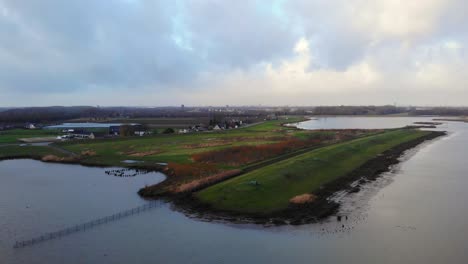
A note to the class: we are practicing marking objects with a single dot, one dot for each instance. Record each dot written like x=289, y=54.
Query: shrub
x=191, y=170
x=303, y=198
x=196, y=185
x=168, y=131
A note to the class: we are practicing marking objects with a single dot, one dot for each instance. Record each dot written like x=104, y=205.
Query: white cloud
x=396, y=18
x=293, y=81
x=233, y=52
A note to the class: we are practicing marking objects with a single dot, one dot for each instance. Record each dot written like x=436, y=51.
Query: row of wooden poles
x=85, y=226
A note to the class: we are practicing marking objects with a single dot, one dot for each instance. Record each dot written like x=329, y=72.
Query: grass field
x=12, y=136
x=156, y=123
x=217, y=152
x=171, y=148
x=306, y=173
x=178, y=148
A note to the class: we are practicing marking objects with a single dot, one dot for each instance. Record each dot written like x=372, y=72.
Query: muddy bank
x=464, y=119
x=298, y=214
x=429, y=123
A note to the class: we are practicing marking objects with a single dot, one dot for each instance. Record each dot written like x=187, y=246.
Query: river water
x=355, y=122
x=417, y=213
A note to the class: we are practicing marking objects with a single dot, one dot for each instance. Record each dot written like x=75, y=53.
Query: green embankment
x=279, y=182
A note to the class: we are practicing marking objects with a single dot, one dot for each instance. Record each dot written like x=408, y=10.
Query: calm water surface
x=415, y=214
x=341, y=122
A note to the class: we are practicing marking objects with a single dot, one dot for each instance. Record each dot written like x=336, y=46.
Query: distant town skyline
x=213, y=52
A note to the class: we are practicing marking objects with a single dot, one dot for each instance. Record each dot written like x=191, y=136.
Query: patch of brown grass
x=53, y=158
x=88, y=153
x=303, y=198
x=205, y=182
x=144, y=153
x=195, y=170
x=204, y=145
x=215, y=142
x=239, y=155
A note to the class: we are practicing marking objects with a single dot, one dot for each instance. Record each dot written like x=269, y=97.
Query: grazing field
x=155, y=123
x=13, y=136
x=176, y=148
x=165, y=122
x=271, y=188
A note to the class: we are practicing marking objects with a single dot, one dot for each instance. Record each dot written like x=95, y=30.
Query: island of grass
x=263, y=171
x=191, y=161
x=308, y=179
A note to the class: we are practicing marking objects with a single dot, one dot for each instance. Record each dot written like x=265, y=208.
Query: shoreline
x=314, y=212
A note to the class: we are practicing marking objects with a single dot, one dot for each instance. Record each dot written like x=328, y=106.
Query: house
x=198, y=128
x=30, y=126
x=272, y=117
x=142, y=133
x=85, y=135
x=82, y=134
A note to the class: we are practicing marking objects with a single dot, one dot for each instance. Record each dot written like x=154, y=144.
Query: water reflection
x=359, y=122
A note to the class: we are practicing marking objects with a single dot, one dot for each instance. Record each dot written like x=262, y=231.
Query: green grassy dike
x=306, y=173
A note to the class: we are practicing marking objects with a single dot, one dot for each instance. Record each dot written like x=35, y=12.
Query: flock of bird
x=126, y=172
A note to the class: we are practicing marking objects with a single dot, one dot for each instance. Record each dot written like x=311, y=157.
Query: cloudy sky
x=218, y=52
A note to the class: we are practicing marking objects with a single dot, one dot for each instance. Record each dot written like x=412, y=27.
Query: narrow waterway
x=414, y=214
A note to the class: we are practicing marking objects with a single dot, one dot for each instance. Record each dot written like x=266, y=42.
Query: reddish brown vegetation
x=241, y=155
x=53, y=158
x=207, y=181
x=228, y=141
x=144, y=153
x=247, y=154
x=205, y=145
x=191, y=170
x=206, y=169
x=303, y=198
x=88, y=153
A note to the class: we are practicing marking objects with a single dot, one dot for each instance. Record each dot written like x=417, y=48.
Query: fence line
x=84, y=226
